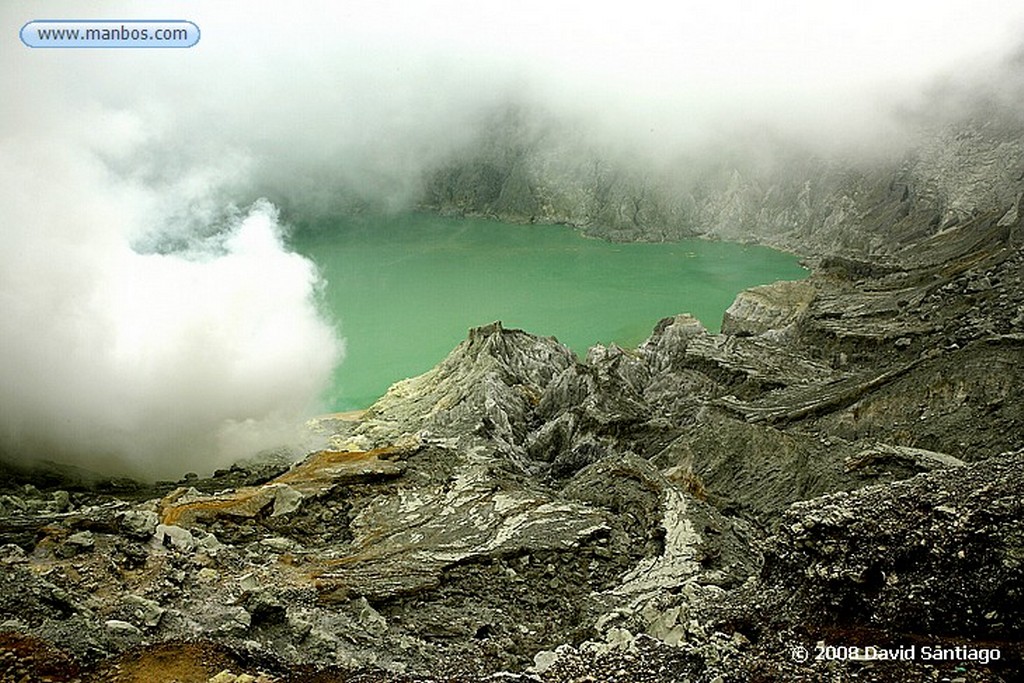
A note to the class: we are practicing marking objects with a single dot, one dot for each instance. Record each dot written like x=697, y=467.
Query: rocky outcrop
x=939, y=553
x=770, y=307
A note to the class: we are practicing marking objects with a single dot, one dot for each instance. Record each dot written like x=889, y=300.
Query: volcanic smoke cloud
x=150, y=363
x=153, y=320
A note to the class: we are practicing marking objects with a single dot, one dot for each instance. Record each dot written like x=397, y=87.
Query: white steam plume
x=142, y=362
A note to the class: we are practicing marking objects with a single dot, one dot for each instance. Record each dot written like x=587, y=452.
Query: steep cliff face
x=527, y=168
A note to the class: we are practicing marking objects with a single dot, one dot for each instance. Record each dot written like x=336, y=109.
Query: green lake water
x=404, y=290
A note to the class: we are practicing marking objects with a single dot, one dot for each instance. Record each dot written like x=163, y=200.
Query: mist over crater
x=155, y=320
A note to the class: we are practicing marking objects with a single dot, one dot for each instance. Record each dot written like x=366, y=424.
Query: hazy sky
x=185, y=360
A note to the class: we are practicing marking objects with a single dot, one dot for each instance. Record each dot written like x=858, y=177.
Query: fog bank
x=154, y=319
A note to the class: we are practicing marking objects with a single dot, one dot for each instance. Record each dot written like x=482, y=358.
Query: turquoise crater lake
x=404, y=290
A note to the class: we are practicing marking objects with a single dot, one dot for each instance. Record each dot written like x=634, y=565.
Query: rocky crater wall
x=527, y=167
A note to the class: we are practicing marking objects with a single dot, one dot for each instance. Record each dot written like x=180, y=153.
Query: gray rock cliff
x=531, y=168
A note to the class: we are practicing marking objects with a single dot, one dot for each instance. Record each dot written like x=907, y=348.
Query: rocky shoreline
x=839, y=472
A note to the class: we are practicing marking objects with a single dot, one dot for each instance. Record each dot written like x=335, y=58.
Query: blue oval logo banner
x=109, y=33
